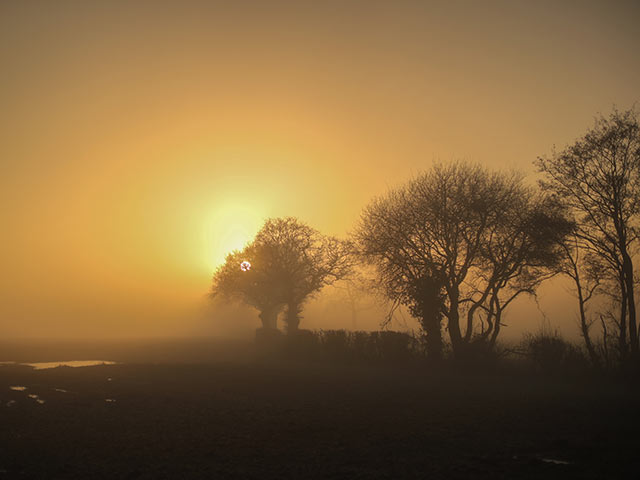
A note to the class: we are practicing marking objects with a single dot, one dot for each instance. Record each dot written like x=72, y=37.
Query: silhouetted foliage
x=460, y=239
x=303, y=261
x=598, y=180
x=553, y=355
x=386, y=347
x=254, y=287
x=289, y=263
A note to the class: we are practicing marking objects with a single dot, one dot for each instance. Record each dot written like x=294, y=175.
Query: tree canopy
x=597, y=178
x=289, y=263
x=456, y=239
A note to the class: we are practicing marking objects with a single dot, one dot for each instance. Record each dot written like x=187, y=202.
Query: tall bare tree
x=456, y=239
x=518, y=254
x=598, y=179
x=587, y=274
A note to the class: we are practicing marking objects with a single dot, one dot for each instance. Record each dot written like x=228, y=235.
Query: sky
x=140, y=141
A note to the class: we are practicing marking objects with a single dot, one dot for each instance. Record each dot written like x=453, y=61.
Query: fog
x=319, y=239
x=140, y=143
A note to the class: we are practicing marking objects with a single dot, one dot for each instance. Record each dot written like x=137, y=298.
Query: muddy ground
x=225, y=419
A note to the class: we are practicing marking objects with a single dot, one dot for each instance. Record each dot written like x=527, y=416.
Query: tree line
x=458, y=243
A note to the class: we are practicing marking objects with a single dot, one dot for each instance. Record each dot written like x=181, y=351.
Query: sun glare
x=231, y=227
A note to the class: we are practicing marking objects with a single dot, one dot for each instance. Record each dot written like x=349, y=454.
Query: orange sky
x=140, y=140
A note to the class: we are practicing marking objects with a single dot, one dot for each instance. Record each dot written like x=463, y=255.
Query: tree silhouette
x=587, y=273
x=598, y=180
x=253, y=286
x=517, y=253
x=460, y=238
x=290, y=262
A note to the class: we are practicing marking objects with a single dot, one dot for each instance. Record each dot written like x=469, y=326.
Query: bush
x=363, y=346
x=369, y=347
x=302, y=345
x=551, y=354
x=385, y=347
x=395, y=347
x=336, y=344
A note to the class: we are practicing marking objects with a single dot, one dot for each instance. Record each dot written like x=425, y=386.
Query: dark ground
x=245, y=419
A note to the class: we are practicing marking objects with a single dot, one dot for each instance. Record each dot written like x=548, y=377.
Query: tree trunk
x=454, y=329
x=432, y=327
x=622, y=334
x=496, y=327
x=627, y=268
x=584, y=326
x=472, y=310
x=269, y=318
x=453, y=318
x=292, y=318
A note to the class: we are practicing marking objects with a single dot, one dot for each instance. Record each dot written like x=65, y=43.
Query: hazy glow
x=230, y=228
x=140, y=142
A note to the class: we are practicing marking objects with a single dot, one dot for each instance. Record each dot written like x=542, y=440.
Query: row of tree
x=459, y=243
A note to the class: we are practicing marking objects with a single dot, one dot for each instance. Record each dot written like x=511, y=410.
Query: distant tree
x=598, y=180
x=356, y=291
x=459, y=238
x=289, y=263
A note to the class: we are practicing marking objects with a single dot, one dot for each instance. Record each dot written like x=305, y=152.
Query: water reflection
x=36, y=398
x=17, y=388
x=555, y=462
x=71, y=363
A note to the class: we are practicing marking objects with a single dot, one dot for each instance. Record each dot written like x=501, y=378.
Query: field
x=224, y=418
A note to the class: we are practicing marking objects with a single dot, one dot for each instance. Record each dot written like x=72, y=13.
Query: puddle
x=61, y=390
x=36, y=398
x=110, y=400
x=555, y=461
x=17, y=388
x=11, y=403
x=71, y=363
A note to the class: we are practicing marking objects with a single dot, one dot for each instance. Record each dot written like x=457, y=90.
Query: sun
x=245, y=266
x=231, y=227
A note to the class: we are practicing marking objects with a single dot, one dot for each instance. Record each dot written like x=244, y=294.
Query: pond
x=69, y=363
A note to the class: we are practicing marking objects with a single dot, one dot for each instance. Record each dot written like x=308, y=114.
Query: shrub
x=363, y=346
x=302, y=345
x=551, y=354
x=336, y=344
x=395, y=347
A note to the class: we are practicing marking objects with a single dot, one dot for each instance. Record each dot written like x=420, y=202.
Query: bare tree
x=458, y=237
x=587, y=272
x=598, y=179
x=356, y=290
x=518, y=254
